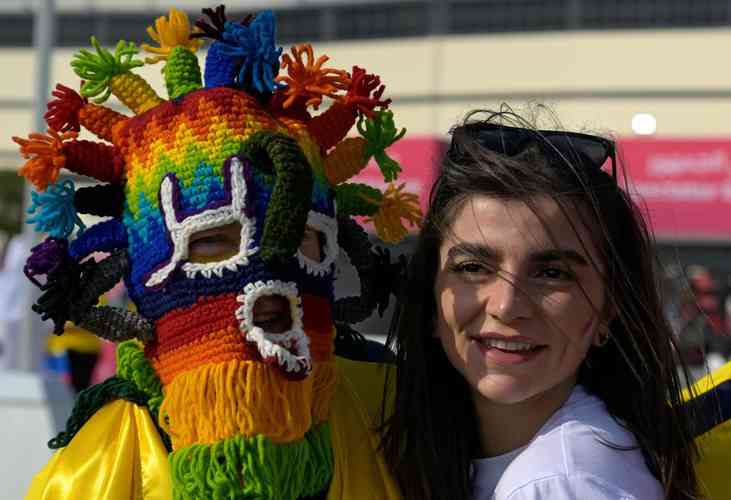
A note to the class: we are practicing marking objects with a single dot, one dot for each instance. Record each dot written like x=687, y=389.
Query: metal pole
x=43, y=41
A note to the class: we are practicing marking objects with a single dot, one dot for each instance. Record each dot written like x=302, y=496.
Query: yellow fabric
x=715, y=446
x=116, y=455
x=359, y=472
x=75, y=339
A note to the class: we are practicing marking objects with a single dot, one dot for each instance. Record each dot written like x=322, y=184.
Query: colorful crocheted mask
x=241, y=152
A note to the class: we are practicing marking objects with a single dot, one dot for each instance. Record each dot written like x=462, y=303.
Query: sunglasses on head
x=576, y=148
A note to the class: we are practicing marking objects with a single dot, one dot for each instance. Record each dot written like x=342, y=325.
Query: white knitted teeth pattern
x=180, y=232
x=291, y=349
x=328, y=226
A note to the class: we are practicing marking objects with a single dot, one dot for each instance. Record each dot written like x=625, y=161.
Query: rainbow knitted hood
x=238, y=148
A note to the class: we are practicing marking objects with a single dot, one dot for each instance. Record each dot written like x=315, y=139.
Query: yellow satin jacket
x=714, y=469
x=118, y=453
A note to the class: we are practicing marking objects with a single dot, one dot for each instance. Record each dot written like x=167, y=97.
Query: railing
x=389, y=19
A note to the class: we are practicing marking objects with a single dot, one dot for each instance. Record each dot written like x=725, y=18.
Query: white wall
x=435, y=80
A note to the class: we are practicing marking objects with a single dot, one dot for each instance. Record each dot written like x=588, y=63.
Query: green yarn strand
x=380, y=132
x=357, y=199
x=254, y=468
x=133, y=366
x=182, y=72
x=279, y=155
x=97, y=70
x=91, y=400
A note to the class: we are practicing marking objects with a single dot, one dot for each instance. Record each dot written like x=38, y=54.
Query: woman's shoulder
x=581, y=446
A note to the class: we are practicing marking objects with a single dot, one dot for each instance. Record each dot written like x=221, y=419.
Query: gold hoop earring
x=603, y=338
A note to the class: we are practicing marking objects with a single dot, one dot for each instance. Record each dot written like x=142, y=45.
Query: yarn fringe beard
x=246, y=468
x=247, y=398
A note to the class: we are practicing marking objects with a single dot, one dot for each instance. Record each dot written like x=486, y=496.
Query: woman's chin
x=504, y=389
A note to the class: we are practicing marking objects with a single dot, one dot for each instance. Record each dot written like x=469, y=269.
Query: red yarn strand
x=94, y=159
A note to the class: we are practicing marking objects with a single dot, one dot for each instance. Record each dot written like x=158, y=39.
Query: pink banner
x=685, y=185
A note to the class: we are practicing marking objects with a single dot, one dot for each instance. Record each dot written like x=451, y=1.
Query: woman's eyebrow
x=560, y=254
x=479, y=251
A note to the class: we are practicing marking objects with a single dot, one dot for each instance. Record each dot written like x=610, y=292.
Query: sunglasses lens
x=581, y=150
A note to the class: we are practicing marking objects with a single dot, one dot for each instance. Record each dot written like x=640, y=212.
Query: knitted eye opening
x=328, y=228
x=289, y=350
x=181, y=229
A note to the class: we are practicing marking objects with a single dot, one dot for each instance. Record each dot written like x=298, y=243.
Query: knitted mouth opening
x=273, y=314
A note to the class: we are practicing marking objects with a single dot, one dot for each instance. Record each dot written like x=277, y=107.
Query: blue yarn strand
x=53, y=210
x=255, y=47
x=105, y=236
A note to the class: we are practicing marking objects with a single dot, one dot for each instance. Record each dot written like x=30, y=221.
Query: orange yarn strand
x=222, y=400
x=396, y=205
x=45, y=156
x=100, y=120
x=307, y=79
x=346, y=160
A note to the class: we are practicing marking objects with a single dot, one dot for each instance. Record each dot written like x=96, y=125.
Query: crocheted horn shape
x=278, y=155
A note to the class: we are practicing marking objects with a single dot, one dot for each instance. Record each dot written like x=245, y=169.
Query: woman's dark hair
x=431, y=436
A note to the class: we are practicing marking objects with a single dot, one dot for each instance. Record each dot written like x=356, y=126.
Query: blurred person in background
x=703, y=343
x=727, y=307
x=73, y=355
x=14, y=294
x=533, y=357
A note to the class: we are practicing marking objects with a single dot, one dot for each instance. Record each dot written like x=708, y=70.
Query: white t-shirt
x=568, y=460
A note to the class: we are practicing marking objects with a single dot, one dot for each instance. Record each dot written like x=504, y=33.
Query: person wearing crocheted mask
x=226, y=206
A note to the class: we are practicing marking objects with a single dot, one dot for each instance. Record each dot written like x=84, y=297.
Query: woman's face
x=517, y=309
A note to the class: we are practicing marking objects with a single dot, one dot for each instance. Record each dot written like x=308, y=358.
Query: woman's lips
x=504, y=350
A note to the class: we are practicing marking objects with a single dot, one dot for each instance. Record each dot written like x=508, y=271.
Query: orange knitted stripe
x=209, y=333
x=219, y=346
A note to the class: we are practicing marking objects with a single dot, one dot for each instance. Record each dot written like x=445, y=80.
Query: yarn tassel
x=222, y=400
x=63, y=112
x=307, y=81
x=177, y=47
x=395, y=206
x=380, y=132
x=69, y=111
x=331, y=126
x=254, y=468
x=54, y=211
x=106, y=73
x=45, y=155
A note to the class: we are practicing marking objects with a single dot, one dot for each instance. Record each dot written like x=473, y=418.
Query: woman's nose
x=505, y=300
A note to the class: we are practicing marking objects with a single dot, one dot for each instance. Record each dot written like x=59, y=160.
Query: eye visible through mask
x=313, y=245
x=221, y=243
x=215, y=244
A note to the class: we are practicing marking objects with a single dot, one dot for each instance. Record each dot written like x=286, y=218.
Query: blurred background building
x=652, y=74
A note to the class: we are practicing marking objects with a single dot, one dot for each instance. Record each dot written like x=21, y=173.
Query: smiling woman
x=533, y=359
